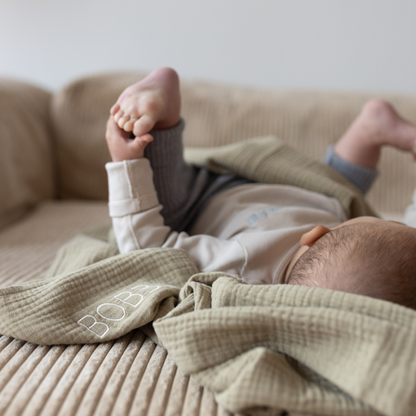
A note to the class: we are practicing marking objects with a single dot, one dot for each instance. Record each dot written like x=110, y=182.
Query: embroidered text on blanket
x=113, y=312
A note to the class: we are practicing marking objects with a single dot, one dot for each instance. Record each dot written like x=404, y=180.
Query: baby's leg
x=376, y=126
x=178, y=185
x=151, y=109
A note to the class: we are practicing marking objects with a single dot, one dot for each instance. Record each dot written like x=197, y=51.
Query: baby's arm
x=135, y=211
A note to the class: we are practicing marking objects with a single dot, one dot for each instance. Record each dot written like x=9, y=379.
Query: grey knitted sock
x=361, y=177
x=183, y=190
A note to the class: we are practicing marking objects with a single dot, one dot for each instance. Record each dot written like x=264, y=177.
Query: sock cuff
x=361, y=177
x=166, y=146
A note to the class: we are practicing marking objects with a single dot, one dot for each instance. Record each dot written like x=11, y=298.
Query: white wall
x=330, y=44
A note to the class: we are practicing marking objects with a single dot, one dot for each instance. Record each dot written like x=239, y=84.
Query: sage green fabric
x=271, y=160
x=260, y=349
x=105, y=297
x=275, y=347
x=296, y=348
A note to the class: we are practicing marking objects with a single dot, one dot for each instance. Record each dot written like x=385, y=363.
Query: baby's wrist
x=130, y=151
x=123, y=159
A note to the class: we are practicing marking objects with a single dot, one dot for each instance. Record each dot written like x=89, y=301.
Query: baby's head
x=366, y=256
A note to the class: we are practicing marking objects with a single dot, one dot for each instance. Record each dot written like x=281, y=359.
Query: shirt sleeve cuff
x=131, y=188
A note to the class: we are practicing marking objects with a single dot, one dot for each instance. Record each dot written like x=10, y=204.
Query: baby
x=262, y=234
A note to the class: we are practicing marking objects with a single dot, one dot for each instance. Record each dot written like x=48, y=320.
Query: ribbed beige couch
x=53, y=185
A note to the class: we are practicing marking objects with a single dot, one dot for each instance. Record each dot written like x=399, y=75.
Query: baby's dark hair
x=372, y=259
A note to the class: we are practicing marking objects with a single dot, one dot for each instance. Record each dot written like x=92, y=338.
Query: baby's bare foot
x=386, y=127
x=154, y=102
x=376, y=126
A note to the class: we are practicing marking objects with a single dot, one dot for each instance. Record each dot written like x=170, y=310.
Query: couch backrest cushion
x=26, y=149
x=79, y=115
x=218, y=114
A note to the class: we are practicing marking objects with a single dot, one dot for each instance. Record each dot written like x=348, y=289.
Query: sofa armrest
x=26, y=160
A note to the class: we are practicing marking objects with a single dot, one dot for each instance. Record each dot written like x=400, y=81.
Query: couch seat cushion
x=28, y=247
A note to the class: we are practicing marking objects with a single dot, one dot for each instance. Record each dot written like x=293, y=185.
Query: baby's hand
x=121, y=145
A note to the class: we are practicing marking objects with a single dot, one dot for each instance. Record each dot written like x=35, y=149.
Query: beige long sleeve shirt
x=250, y=231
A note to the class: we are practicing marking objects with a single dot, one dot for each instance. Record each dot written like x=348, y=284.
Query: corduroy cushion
x=216, y=115
x=79, y=115
x=26, y=156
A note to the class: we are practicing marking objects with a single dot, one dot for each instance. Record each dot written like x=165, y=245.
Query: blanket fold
x=260, y=349
x=271, y=160
x=329, y=332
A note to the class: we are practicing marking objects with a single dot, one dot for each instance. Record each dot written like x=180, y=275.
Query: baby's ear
x=312, y=236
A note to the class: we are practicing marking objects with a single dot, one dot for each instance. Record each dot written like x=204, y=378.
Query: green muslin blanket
x=260, y=349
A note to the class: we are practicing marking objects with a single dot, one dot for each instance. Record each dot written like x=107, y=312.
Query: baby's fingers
x=142, y=141
x=113, y=132
x=137, y=145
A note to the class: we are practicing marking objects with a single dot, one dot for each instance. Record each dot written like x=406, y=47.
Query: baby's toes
x=118, y=115
x=143, y=125
x=114, y=109
x=123, y=120
x=128, y=126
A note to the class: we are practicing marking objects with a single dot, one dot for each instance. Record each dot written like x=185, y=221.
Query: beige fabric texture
x=26, y=159
x=216, y=115
x=348, y=355
x=132, y=375
x=91, y=294
x=23, y=308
